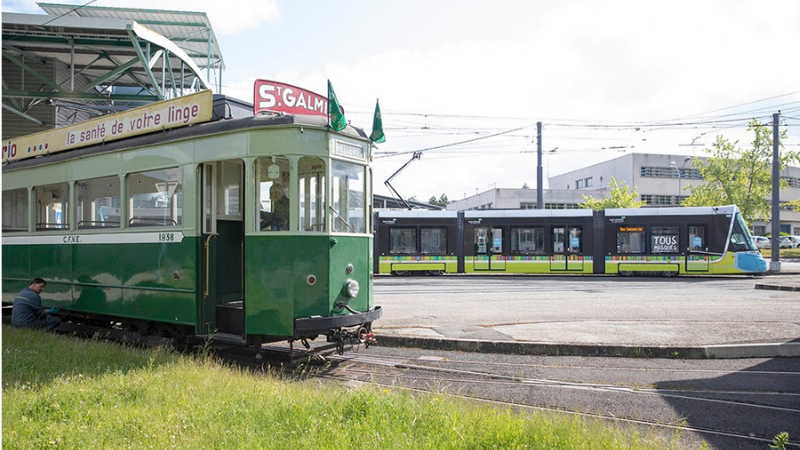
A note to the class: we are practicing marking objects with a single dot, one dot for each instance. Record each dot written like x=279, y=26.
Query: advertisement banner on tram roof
x=274, y=96
x=177, y=112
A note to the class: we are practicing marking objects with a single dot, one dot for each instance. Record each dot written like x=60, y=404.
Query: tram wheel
x=401, y=273
x=626, y=273
x=671, y=274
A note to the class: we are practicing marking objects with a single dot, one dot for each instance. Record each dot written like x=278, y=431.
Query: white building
x=660, y=180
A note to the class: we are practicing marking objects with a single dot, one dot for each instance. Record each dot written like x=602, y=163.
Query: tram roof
x=511, y=213
x=674, y=211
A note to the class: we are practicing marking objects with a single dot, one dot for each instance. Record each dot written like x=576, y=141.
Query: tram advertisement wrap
x=273, y=96
x=178, y=112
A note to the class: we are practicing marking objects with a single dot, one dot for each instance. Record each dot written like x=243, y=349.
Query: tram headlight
x=351, y=288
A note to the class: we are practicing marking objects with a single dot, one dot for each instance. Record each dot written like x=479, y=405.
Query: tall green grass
x=62, y=392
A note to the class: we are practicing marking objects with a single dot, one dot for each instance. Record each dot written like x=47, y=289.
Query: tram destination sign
x=178, y=112
x=274, y=96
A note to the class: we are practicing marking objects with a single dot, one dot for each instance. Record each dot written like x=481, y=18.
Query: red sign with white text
x=272, y=96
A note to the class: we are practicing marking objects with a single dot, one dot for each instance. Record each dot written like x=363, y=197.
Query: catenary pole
x=539, y=195
x=775, y=264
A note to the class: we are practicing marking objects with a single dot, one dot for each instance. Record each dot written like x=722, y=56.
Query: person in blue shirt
x=28, y=311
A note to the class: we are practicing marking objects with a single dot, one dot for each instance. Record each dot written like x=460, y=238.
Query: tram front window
x=348, y=202
x=740, y=236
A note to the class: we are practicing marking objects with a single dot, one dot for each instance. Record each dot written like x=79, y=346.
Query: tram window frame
x=693, y=232
x=344, y=193
x=630, y=231
x=272, y=185
x=88, y=192
x=44, y=194
x=312, y=194
x=669, y=246
x=442, y=238
x=165, y=177
x=16, y=205
x=398, y=242
x=537, y=250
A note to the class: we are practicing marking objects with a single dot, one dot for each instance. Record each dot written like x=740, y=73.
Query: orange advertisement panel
x=178, y=112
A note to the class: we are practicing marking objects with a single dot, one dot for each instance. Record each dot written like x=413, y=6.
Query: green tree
x=441, y=201
x=619, y=197
x=736, y=176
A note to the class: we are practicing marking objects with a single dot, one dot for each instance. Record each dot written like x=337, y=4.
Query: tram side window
x=630, y=240
x=98, y=203
x=433, y=241
x=15, y=210
x=311, y=178
x=527, y=241
x=664, y=240
x=348, y=202
x=402, y=241
x=272, y=176
x=155, y=198
x=697, y=237
x=52, y=207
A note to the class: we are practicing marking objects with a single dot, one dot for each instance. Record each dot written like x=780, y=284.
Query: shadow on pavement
x=759, y=401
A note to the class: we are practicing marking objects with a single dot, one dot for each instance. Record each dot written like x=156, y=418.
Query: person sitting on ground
x=28, y=312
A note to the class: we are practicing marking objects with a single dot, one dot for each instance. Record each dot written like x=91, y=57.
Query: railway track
x=497, y=383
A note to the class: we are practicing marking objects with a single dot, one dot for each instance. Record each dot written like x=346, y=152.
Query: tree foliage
x=620, y=196
x=738, y=176
x=441, y=201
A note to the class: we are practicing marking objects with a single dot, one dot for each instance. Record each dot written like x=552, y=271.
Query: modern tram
x=253, y=229
x=668, y=241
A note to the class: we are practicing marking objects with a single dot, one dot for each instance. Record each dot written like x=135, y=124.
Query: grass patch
x=785, y=253
x=62, y=392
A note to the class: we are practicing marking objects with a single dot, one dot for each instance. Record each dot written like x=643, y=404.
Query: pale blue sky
x=450, y=71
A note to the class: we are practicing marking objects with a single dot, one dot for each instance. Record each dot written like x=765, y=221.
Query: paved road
x=591, y=310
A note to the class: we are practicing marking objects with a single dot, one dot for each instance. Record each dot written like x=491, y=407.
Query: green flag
x=377, y=135
x=335, y=111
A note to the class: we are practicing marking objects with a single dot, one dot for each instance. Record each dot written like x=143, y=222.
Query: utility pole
x=539, y=195
x=775, y=264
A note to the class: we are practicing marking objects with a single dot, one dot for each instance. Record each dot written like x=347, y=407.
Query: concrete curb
x=789, y=349
x=774, y=287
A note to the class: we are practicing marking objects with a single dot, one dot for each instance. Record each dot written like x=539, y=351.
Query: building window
x=561, y=206
x=588, y=182
x=760, y=230
x=670, y=172
x=527, y=205
x=578, y=184
x=662, y=200
x=792, y=181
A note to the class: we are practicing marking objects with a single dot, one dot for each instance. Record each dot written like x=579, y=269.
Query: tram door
x=567, y=242
x=697, y=257
x=488, y=243
x=222, y=246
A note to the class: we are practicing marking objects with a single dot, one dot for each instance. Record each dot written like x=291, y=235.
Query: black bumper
x=321, y=325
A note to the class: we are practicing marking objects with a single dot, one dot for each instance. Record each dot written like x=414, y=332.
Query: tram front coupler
x=361, y=335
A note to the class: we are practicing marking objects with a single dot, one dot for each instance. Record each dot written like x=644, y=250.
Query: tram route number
x=166, y=237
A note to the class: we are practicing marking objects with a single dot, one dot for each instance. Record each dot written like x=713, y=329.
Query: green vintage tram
x=252, y=229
